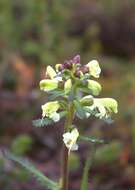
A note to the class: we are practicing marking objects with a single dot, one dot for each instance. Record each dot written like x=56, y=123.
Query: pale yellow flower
x=48, y=84
x=67, y=85
x=50, y=72
x=70, y=139
x=50, y=110
x=94, y=68
x=105, y=107
x=94, y=86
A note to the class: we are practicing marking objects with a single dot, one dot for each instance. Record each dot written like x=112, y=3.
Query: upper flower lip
x=50, y=110
x=48, y=84
x=105, y=107
x=50, y=72
x=94, y=68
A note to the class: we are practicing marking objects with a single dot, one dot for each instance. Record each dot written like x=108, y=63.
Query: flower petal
x=94, y=68
x=94, y=86
x=48, y=84
x=67, y=86
x=50, y=108
x=50, y=72
x=70, y=139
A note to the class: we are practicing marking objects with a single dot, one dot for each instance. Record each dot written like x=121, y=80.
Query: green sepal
x=87, y=100
x=80, y=112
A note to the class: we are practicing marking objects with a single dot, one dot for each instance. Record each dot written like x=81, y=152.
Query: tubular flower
x=87, y=100
x=70, y=139
x=94, y=86
x=94, y=68
x=67, y=86
x=50, y=72
x=104, y=107
x=48, y=84
x=50, y=110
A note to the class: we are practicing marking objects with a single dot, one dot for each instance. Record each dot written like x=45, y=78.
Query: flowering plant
x=72, y=93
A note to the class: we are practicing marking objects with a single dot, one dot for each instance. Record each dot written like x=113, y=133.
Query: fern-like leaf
x=45, y=181
x=93, y=140
x=42, y=122
x=46, y=121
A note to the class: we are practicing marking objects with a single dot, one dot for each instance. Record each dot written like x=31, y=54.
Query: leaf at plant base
x=79, y=109
x=45, y=181
x=21, y=144
x=108, y=153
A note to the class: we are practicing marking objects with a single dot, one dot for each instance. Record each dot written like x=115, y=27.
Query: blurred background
x=34, y=34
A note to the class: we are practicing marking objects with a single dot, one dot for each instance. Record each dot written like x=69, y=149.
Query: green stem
x=88, y=164
x=65, y=156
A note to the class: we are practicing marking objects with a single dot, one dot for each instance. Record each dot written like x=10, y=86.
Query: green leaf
x=45, y=181
x=46, y=121
x=42, y=122
x=79, y=109
x=56, y=94
x=108, y=154
x=92, y=140
x=21, y=144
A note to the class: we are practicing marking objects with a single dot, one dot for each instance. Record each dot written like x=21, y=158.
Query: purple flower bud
x=68, y=64
x=85, y=69
x=61, y=67
x=76, y=59
x=78, y=73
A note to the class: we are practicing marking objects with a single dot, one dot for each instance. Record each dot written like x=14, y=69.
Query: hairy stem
x=65, y=155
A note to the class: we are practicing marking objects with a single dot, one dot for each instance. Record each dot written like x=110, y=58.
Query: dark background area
x=34, y=34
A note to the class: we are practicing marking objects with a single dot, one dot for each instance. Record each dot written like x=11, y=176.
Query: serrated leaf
x=42, y=122
x=92, y=140
x=55, y=94
x=45, y=181
x=46, y=121
x=108, y=120
x=79, y=110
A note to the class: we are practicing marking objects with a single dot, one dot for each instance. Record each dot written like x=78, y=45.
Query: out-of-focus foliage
x=108, y=153
x=48, y=32
x=21, y=144
x=36, y=30
x=74, y=162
